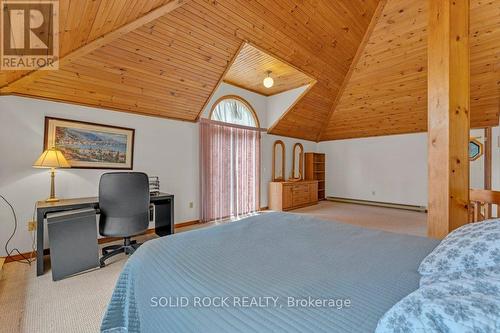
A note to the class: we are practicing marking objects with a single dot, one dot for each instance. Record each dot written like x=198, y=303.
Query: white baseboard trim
x=379, y=204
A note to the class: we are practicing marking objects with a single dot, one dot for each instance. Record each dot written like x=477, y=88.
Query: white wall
x=279, y=103
x=392, y=168
x=388, y=169
x=165, y=148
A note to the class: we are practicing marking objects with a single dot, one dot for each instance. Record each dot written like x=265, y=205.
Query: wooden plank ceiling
x=387, y=92
x=170, y=66
x=165, y=58
x=83, y=21
x=252, y=65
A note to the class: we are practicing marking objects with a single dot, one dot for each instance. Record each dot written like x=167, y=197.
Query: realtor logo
x=30, y=35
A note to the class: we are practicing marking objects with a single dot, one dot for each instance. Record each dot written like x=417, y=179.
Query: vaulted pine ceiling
x=164, y=58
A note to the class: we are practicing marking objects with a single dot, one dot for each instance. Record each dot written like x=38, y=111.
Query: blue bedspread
x=261, y=274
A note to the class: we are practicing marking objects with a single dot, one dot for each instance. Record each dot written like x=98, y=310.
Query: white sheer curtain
x=234, y=112
x=230, y=162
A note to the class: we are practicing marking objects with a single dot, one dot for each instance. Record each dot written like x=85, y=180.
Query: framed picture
x=91, y=146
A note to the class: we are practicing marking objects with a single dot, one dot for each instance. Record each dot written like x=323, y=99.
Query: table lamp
x=52, y=158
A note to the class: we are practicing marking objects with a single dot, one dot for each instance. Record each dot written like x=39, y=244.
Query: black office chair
x=124, y=210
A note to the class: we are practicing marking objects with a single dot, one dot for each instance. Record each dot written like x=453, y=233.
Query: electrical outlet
x=31, y=225
x=191, y=204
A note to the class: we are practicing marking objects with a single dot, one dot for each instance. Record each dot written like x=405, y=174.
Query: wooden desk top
x=86, y=201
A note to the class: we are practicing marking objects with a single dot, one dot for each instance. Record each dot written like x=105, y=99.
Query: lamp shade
x=51, y=158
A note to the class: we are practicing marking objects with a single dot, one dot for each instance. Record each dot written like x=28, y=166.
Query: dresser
x=290, y=195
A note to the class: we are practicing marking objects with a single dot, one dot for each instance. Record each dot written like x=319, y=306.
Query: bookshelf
x=315, y=170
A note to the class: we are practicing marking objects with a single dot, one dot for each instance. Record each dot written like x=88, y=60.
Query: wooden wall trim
x=104, y=240
x=354, y=63
x=97, y=43
x=90, y=105
x=186, y=224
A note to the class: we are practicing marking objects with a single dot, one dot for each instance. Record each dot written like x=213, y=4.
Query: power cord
x=9, y=253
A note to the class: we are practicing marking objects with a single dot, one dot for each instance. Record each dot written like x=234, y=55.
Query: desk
x=164, y=217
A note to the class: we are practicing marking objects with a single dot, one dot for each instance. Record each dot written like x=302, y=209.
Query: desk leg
x=164, y=217
x=172, y=220
x=39, y=243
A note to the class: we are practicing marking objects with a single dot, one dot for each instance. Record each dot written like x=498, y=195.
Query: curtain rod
x=221, y=123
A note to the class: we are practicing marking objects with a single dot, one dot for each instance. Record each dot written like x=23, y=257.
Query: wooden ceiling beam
x=95, y=44
x=354, y=63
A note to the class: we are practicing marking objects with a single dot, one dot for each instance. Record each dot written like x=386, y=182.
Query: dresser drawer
x=287, y=195
x=300, y=198
x=301, y=188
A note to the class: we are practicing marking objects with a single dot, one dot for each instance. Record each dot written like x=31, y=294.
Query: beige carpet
x=31, y=304
x=77, y=304
x=387, y=219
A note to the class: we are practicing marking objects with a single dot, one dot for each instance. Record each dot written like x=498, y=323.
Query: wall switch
x=191, y=204
x=31, y=225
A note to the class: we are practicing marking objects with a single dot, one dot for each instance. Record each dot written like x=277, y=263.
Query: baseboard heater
x=379, y=204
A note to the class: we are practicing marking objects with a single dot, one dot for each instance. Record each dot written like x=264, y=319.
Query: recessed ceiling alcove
x=252, y=65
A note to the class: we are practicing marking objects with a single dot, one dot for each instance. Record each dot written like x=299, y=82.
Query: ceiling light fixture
x=268, y=81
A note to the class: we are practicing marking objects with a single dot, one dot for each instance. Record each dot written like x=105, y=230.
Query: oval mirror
x=278, y=161
x=298, y=162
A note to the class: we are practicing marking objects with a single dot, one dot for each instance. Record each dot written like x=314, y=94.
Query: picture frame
x=475, y=149
x=89, y=145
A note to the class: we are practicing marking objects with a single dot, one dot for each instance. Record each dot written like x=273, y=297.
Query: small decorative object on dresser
x=315, y=170
x=292, y=194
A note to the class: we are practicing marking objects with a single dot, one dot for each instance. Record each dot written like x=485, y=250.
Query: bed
x=296, y=273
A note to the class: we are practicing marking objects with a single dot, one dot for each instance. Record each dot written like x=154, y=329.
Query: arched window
x=234, y=110
x=230, y=160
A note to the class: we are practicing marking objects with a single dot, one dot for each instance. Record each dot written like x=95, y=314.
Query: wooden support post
x=487, y=166
x=448, y=115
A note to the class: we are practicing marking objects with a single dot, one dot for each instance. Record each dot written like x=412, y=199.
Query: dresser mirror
x=278, y=161
x=298, y=162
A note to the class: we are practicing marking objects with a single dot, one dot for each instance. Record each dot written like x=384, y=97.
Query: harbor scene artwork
x=87, y=145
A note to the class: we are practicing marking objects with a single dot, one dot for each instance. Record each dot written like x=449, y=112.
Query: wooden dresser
x=290, y=195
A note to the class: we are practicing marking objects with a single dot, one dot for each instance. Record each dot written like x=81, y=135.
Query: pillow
x=489, y=272
x=467, y=306
x=468, y=248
